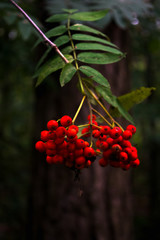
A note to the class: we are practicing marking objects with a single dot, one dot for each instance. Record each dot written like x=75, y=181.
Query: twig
x=46, y=40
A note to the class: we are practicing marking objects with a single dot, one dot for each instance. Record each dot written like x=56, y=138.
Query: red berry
x=98, y=152
x=80, y=143
x=96, y=133
x=50, y=144
x=107, y=154
x=60, y=132
x=102, y=137
x=103, y=162
x=115, y=132
x=127, y=134
x=52, y=125
x=62, y=145
x=57, y=159
x=123, y=156
x=78, y=152
x=88, y=163
x=95, y=123
x=93, y=117
x=98, y=143
x=49, y=159
x=114, y=163
x=116, y=148
x=72, y=140
x=110, y=141
x=135, y=163
x=131, y=128
x=125, y=166
x=66, y=121
x=133, y=156
x=85, y=132
x=51, y=152
x=74, y=127
x=71, y=133
x=71, y=157
x=52, y=135
x=59, y=140
x=105, y=130
x=80, y=160
x=44, y=135
x=126, y=143
x=127, y=150
x=89, y=152
x=64, y=153
x=86, y=144
x=71, y=147
x=118, y=140
x=103, y=146
x=40, y=146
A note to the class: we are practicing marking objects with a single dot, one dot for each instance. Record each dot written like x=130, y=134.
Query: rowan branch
x=46, y=40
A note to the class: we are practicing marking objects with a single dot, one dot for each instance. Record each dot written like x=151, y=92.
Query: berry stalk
x=79, y=108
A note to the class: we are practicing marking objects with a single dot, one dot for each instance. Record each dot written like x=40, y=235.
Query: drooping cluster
x=114, y=145
x=62, y=145
x=65, y=143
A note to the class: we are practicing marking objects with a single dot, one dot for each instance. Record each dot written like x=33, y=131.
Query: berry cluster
x=62, y=145
x=113, y=144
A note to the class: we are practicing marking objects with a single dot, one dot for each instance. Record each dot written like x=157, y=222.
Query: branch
x=46, y=40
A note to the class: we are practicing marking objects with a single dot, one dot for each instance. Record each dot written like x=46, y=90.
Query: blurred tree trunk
x=99, y=206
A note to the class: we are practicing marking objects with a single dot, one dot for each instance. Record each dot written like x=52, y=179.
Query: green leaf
x=98, y=58
x=51, y=66
x=113, y=101
x=135, y=97
x=85, y=37
x=67, y=50
x=89, y=16
x=96, y=46
x=123, y=112
x=127, y=101
x=107, y=95
x=67, y=73
x=94, y=75
x=56, y=31
x=84, y=28
x=57, y=17
x=61, y=40
x=70, y=10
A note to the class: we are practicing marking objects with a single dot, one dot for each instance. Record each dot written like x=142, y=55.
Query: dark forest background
x=42, y=202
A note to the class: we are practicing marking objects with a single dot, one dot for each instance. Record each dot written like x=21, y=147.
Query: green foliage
x=121, y=12
x=114, y=102
x=51, y=66
x=95, y=75
x=98, y=58
x=67, y=73
x=95, y=48
x=81, y=16
x=127, y=101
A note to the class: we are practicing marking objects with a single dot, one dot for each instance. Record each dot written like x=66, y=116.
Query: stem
x=90, y=110
x=97, y=100
x=102, y=117
x=75, y=57
x=78, y=110
x=46, y=40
